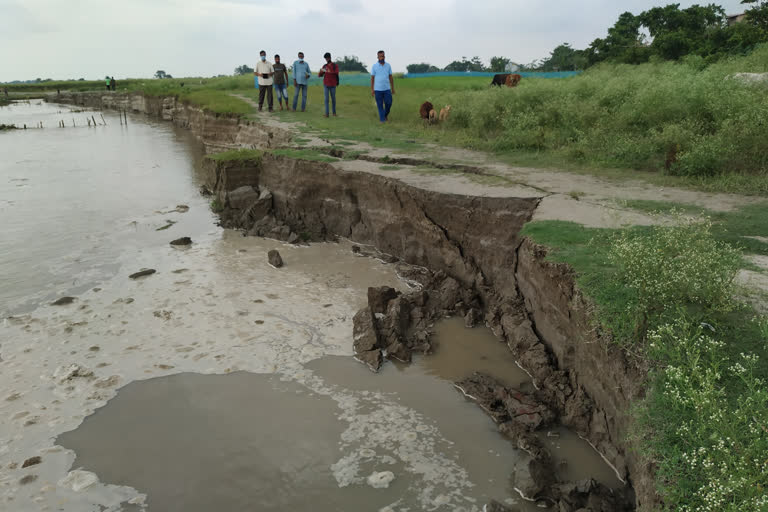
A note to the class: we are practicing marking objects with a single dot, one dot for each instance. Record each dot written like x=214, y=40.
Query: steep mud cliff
x=479, y=266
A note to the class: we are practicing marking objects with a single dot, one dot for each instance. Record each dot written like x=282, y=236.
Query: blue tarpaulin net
x=364, y=79
x=526, y=74
x=359, y=79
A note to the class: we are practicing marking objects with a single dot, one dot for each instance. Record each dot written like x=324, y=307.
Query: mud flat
x=477, y=267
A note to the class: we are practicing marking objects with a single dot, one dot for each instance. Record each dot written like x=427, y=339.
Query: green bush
x=681, y=265
x=705, y=421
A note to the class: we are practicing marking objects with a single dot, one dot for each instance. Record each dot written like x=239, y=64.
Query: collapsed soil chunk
x=274, y=258
x=185, y=240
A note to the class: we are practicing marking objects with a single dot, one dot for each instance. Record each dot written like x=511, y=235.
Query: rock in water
x=63, y=301
x=142, y=273
x=185, y=240
x=32, y=461
x=274, y=258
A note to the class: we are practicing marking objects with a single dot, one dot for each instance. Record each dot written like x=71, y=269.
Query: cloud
x=91, y=38
x=346, y=6
x=17, y=20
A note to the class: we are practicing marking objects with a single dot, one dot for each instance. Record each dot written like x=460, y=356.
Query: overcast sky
x=64, y=39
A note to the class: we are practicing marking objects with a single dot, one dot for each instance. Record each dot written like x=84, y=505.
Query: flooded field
x=218, y=382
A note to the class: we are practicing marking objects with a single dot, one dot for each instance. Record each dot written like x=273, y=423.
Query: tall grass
x=693, y=120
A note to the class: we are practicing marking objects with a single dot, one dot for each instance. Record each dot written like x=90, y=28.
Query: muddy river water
x=219, y=382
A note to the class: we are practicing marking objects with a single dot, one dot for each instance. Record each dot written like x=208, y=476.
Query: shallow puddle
x=248, y=441
x=242, y=441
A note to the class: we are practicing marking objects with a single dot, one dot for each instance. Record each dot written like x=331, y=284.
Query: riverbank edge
x=530, y=303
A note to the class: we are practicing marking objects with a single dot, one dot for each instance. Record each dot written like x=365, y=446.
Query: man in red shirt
x=330, y=74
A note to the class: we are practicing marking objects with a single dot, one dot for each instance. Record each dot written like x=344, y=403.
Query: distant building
x=735, y=18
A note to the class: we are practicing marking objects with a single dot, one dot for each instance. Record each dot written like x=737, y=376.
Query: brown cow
x=512, y=80
x=424, y=110
x=508, y=79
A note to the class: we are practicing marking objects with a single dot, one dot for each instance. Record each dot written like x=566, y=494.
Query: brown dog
x=424, y=110
x=432, y=116
x=444, y=113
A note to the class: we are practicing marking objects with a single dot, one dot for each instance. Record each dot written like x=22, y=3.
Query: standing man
x=281, y=82
x=330, y=74
x=301, y=76
x=382, y=86
x=264, y=71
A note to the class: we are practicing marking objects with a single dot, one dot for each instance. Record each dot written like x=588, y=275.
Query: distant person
x=5, y=91
x=330, y=74
x=112, y=83
x=107, y=82
x=281, y=82
x=301, y=76
x=264, y=71
x=382, y=86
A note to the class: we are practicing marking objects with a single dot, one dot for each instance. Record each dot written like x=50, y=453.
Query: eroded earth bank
x=466, y=257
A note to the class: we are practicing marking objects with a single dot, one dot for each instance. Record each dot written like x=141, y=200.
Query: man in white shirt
x=264, y=71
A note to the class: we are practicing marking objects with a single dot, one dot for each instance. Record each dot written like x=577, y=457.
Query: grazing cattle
x=424, y=110
x=508, y=79
x=444, y=113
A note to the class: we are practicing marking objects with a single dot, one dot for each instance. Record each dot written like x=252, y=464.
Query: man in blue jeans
x=330, y=74
x=301, y=76
x=382, y=86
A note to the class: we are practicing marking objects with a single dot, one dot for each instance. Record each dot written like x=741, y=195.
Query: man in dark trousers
x=382, y=86
x=330, y=74
x=264, y=71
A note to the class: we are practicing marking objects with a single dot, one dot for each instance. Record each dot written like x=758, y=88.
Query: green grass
x=734, y=227
x=237, y=155
x=390, y=167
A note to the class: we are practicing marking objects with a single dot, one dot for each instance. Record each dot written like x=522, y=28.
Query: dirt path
x=588, y=200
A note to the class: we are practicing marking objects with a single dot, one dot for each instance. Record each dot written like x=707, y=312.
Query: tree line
x=667, y=33
x=346, y=63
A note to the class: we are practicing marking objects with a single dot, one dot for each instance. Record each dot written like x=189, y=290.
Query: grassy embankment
x=612, y=120
x=665, y=294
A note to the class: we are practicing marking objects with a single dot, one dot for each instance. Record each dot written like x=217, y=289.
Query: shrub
x=677, y=265
x=709, y=444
